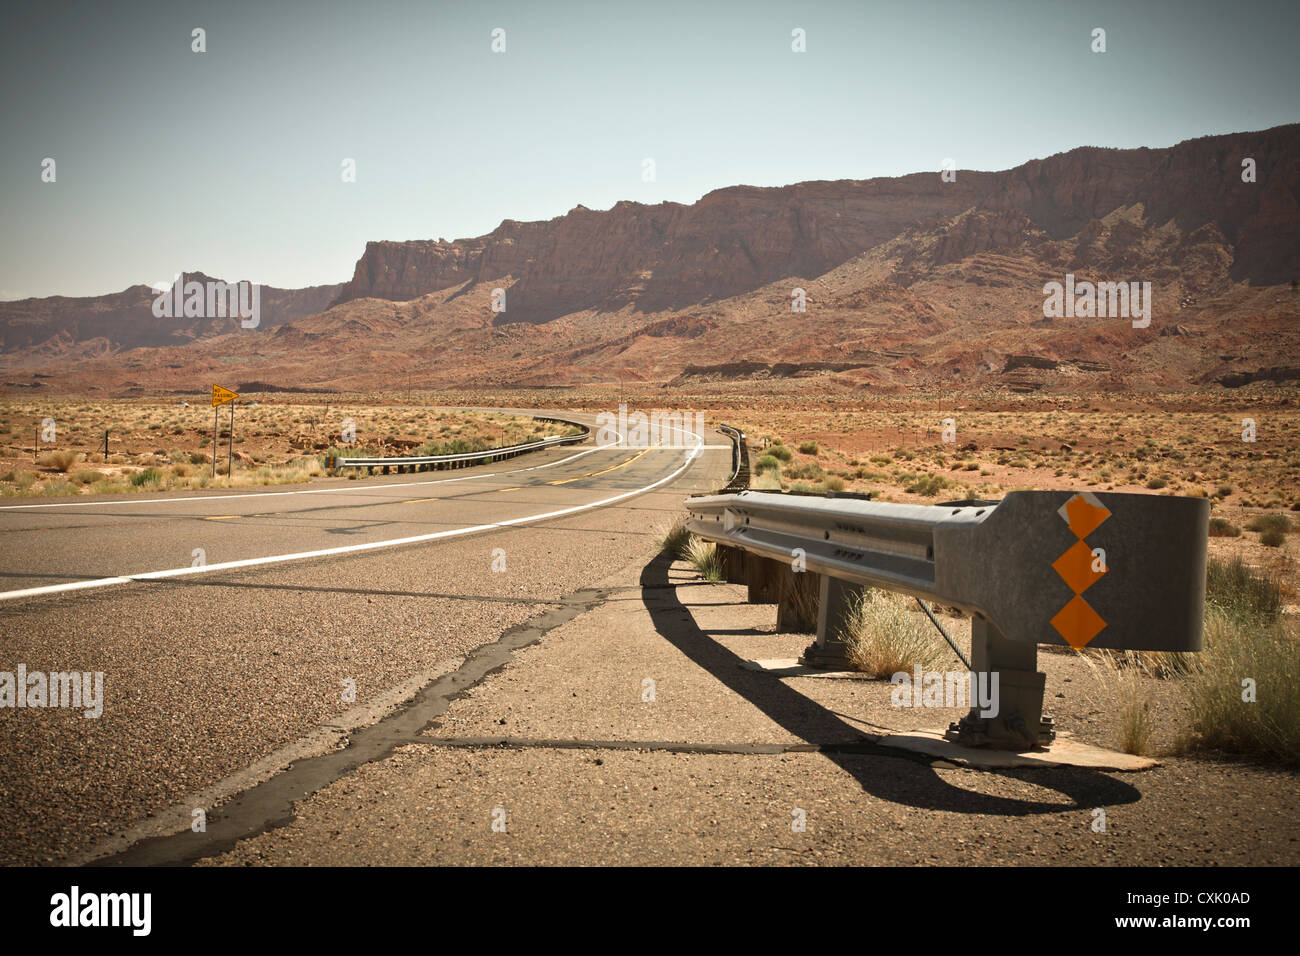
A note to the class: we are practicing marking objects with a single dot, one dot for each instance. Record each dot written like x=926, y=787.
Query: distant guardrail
x=403, y=465
x=739, y=480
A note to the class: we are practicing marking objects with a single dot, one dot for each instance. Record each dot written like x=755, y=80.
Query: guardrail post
x=732, y=561
x=797, y=610
x=836, y=599
x=763, y=576
x=1017, y=694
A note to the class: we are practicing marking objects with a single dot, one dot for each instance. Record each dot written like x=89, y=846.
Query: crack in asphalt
x=862, y=745
x=270, y=804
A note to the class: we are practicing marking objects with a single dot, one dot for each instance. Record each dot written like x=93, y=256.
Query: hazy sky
x=229, y=161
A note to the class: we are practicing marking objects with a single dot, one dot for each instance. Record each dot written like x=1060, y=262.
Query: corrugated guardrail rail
x=464, y=459
x=1103, y=570
x=739, y=459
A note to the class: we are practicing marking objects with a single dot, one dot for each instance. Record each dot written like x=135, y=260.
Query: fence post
x=797, y=609
x=733, y=564
x=762, y=575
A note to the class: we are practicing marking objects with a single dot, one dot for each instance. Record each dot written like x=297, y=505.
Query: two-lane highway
x=228, y=625
x=54, y=547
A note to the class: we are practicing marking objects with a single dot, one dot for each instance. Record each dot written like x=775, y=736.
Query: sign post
x=220, y=396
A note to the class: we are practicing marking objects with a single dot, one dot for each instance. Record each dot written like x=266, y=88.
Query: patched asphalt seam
x=270, y=804
x=864, y=745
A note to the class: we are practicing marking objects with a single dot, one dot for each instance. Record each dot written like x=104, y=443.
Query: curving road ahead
x=230, y=624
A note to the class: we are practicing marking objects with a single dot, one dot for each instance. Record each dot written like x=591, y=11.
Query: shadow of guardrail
x=886, y=773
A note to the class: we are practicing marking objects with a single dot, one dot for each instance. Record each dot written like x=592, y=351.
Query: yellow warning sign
x=222, y=395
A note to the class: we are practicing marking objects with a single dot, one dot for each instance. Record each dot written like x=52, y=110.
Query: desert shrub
x=780, y=452
x=1265, y=523
x=674, y=540
x=1236, y=650
x=833, y=483
x=146, y=476
x=1223, y=528
x=703, y=556
x=1241, y=592
x=1136, y=722
x=1272, y=539
x=457, y=446
x=766, y=463
x=88, y=476
x=1223, y=490
x=808, y=447
x=59, y=460
x=929, y=485
x=884, y=637
x=807, y=469
x=58, y=488
x=1157, y=482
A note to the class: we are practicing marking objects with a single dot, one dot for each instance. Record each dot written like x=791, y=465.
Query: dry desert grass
x=165, y=445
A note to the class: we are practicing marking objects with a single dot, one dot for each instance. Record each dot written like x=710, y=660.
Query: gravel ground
x=564, y=807
x=431, y=804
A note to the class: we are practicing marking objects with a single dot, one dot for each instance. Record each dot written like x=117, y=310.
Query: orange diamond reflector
x=1083, y=516
x=1075, y=568
x=1078, y=623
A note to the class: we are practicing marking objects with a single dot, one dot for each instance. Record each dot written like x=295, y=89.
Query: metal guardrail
x=739, y=480
x=463, y=459
x=1020, y=567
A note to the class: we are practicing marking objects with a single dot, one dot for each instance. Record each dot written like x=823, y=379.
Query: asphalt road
x=265, y=605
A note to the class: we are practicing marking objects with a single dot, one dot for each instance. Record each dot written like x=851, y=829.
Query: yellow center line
x=593, y=474
x=562, y=481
